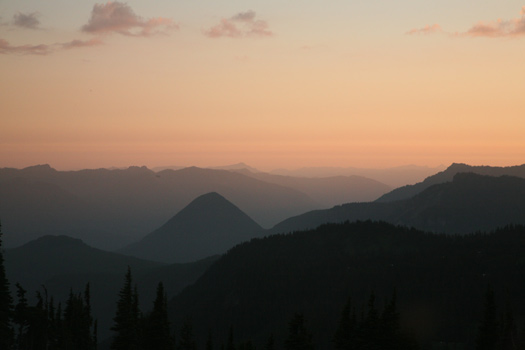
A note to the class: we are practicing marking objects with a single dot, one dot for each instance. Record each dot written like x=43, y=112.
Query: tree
x=6, y=304
x=299, y=338
x=187, y=341
x=126, y=318
x=157, y=332
x=488, y=330
x=346, y=328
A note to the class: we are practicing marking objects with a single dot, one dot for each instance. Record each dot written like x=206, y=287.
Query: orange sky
x=270, y=84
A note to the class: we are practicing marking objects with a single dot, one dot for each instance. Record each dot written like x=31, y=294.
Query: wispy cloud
x=81, y=43
x=117, y=17
x=240, y=25
x=499, y=28
x=44, y=49
x=493, y=29
x=429, y=29
x=6, y=48
x=26, y=20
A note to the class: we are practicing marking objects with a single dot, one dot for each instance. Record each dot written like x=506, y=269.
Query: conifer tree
x=299, y=338
x=488, y=330
x=6, y=304
x=157, y=332
x=126, y=318
x=187, y=341
x=346, y=329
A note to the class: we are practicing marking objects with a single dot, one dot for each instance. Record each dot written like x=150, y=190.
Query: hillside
x=469, y=203
x=61, y=264
x=209, y=225
x=447, y=175
x=440, y=281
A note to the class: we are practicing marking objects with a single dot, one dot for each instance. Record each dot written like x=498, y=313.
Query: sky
x=87, y=84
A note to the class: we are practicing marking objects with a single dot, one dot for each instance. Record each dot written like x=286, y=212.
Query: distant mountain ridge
x=111, y=208
x=209, y=225
x=447, y=175
x=469, y=203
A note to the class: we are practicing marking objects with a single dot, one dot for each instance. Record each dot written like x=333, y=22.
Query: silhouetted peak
x=209, y=199
x=39, y=168
x=459, y=167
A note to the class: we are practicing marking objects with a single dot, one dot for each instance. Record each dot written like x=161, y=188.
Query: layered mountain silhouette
x=447, y=175
x=209, y=225
x=328, y=191
x=112, y=208
x=393, y=177
x=440, y=280
x=57, y=265
x=469, y=203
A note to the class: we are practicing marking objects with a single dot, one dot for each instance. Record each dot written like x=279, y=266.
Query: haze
x=339, y=83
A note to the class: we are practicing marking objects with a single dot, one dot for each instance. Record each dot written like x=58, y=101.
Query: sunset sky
x=86, y=84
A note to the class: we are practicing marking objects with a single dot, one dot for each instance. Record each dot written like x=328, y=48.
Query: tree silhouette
x=488, y=330
x=299, y=338
x=6, y=304
x=126, y=318
x=157, y=332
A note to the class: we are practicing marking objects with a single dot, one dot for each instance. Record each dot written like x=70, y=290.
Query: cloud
x=429, y=29
x=494, y=29
x=81, y=43
x=240, y=25
x=117, y=17
x=29, y=20
x=44, y=49
x=500, y=28
x=6, y=48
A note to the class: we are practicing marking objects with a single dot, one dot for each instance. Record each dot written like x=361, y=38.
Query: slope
x=57, y=264
x=469, y=203
x=447, y=175
x=440, y=280
x=209, y=225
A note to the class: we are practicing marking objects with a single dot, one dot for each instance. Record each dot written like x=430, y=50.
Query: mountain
x=112, y=208
x=31, y=208
x=447, y=175
x=440, y=281
x=469, y=203
x=209, y=225
x=328, y=191
x=60, y=264
x=393, y=177
x=238, y=166
x=266, y=203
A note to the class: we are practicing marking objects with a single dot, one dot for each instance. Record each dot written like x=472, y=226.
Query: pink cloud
x=44, y=49
x=500, y=28
x=495, y=29
x=6, y=48
x=117, y=17
x=240, y=25
x=429, y=29
x=81, y=43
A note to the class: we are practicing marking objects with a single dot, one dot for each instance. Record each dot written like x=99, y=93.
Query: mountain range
x=112, y=208
x=447, y=175
x=469, y=203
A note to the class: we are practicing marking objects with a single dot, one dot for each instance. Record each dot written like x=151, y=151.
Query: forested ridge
x=361, y=285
